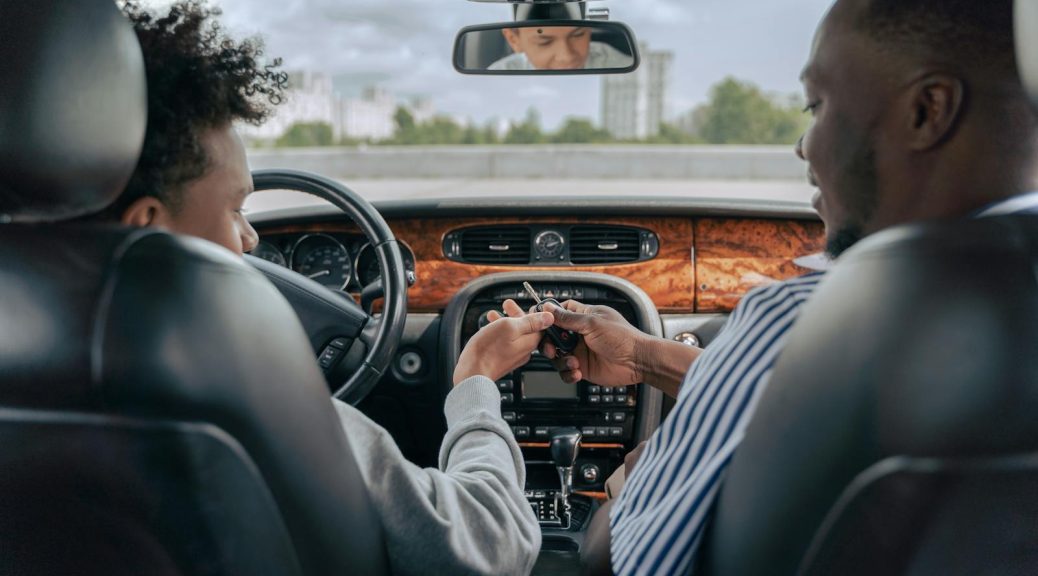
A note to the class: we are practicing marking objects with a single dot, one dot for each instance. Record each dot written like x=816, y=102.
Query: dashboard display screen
x=547, y=386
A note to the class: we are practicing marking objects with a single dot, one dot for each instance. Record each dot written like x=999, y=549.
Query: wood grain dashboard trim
x=668, y=279
x=734, y=256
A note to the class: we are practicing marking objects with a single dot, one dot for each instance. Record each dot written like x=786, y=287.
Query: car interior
x=181, y=425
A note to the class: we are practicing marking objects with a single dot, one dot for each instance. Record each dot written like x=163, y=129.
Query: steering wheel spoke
x=327, y=315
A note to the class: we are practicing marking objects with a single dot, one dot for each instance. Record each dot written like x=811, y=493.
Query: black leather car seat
x=160, y=408
x=899, y=433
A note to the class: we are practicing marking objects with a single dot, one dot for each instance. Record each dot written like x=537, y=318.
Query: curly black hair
x=198, y=78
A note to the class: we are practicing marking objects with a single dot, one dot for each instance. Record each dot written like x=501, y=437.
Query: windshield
x=375, y=102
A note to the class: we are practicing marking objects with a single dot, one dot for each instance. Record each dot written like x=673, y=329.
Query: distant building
x=369, y=117
x=635, y=104
x=310, y=98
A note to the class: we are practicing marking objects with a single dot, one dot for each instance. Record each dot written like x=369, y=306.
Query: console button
x=594, y=399
x=505, y=385
x=607, y=399
x=592, y=389
x=602, y=431
x=507, y=398
x=616, y=432
x=621, y=398
x=588, y=430
x=522, y=431
x=508, y=416
x=540, y=432
x=619, y=417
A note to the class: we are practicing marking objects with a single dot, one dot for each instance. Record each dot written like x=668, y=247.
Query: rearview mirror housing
x=546, y=47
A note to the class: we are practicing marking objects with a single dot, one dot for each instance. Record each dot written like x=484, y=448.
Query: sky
x=406, y=45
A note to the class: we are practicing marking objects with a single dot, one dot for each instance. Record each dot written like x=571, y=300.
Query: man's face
x=846, y=94
x=551, y=47
x=210, y=206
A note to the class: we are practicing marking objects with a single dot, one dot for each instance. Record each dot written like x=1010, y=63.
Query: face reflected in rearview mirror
x=546, y=47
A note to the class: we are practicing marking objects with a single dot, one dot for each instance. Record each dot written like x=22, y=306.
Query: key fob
x=565, y=341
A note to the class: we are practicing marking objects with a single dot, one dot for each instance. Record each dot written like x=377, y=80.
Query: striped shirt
x=658, y=521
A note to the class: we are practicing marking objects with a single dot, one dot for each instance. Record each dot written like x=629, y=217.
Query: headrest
x=73, y=107
x=1026, y=16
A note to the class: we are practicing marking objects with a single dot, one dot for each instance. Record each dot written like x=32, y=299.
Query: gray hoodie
x=467, y=517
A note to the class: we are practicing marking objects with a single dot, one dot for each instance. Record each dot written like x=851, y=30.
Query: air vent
x=606, y=245
x=497, y=245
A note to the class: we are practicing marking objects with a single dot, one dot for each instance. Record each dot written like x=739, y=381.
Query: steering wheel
x=363, y=344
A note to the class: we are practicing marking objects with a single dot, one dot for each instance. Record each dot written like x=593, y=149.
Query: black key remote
x=565, y=341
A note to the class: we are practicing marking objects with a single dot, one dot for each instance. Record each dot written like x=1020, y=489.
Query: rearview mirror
x=546, y=47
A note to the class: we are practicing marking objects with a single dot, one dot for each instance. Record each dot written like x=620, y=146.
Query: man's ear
x=512, y=37
x=146, y=212
x=937, y=104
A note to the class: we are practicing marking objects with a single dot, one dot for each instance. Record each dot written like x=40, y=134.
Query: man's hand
x=607, y=353
x=613, y=353
x=503, y=345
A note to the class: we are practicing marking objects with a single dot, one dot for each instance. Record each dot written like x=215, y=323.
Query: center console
x=540, y=407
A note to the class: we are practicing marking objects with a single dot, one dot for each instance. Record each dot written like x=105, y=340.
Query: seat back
x=898, y=433
x=161, y=411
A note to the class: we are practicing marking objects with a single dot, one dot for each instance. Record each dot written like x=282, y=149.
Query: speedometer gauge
x=368, y=269
x=323, y=259
x=268, y=252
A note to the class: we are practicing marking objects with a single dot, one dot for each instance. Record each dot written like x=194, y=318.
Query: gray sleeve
x=467, y=517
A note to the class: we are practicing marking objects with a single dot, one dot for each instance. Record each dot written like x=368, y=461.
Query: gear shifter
x=565, y=445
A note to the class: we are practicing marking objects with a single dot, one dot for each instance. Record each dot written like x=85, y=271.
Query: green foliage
x=528, y=131
x=307, y=134
x=740, y=113
x=671, y=134
x=580, y=131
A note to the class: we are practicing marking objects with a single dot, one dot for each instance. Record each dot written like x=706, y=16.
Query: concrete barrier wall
x=554, y=162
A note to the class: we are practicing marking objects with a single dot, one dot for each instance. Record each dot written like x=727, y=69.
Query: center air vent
x=492, y=245
x=610, y=245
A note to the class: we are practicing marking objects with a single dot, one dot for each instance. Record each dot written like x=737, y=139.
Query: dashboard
x=675, y=275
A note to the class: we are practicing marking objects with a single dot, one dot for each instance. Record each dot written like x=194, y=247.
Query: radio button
x=621, y=399
x=505, y=385
x=617, y=432
x=592, y=389
x=607, y=399
x=619, y=417
x=522, y=431
x=508, y=416
x=540, y=432
x=602, y=431
x=507, y=398
x=594, y=399
x=588, y=430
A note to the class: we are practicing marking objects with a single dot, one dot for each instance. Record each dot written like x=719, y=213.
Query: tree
x=528, y=131
x=405, y=126
x=740, y=113
x=307, y=134
x=580, y=131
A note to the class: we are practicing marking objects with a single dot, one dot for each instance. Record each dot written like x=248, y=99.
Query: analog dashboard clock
x=549, y=245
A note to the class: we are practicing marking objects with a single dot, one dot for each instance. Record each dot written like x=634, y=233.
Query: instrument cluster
x=339, y=262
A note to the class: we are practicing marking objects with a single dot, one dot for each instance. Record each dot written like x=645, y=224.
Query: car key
x=565, y=341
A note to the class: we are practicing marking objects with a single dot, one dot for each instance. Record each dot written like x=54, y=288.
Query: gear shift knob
x=565, y=445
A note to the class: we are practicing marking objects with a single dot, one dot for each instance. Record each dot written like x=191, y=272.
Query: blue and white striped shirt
x=658, y=521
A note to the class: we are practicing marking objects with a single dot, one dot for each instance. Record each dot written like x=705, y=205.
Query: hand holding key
x=503, y=345
x=608, y=351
